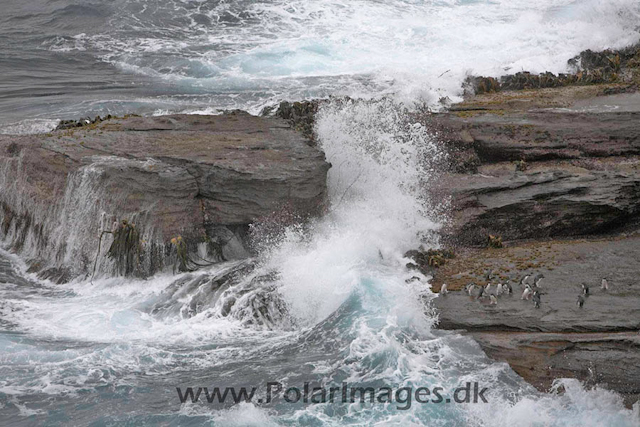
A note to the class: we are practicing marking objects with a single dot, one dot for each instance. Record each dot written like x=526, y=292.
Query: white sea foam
x=414, y=50
x=29, y=126
x=342, y=278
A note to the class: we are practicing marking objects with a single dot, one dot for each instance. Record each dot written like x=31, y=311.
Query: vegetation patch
x=126, y=248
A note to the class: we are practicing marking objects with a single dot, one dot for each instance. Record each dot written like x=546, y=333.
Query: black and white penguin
x=481, y=293
x=537, y=280
x=536, y=299
x=509, y=287
x=469, y=288
x=580, y=301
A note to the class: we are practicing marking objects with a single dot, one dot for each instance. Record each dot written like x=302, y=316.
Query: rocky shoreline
x=553, y=176
x=544, y=168
x=156, y=192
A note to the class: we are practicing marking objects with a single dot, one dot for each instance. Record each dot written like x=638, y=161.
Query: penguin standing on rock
x=580, y=301
x=499, y=289
x=585, y=289
x=509, y=288
x=605, y=284
x=527, y=292
x=481, y=293
x=469, y=288
x=494, y=300
x=536, y=299
x=489, y=275
x=443, y=289
x=537, y=280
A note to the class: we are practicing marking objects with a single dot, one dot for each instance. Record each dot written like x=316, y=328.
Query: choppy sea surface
x=326, y=304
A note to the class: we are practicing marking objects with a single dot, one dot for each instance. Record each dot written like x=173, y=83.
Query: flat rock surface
x=243, y=166
x=565, y=265
x=598, y=343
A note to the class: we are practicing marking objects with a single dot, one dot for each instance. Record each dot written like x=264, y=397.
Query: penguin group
x=489, y=291
x=585, y=291
x=531, y=285
x=532, y=291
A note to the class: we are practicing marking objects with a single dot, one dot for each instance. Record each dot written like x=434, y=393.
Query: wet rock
x=608, y=360
x=542, y=173
x=301, y=115
x=204, y=178
x=426, y=261
x=589, y=68
x=70, y=124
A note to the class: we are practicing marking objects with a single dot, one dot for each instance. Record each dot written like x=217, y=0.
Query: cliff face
x=201, y=178
x=542, y=172
x=555, y=173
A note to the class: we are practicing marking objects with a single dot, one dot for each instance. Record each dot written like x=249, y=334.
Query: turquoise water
x=67, y=59
x=327, y=303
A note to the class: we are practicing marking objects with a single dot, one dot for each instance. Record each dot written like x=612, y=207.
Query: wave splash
x=252, y=54
x=328, y=303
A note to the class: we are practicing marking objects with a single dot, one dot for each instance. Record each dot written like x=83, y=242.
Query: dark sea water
x=328, y=304
x=65, y=59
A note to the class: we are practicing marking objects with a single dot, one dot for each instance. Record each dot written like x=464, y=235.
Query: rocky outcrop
x=539, y=169
x=589, y=67
x=203, y=178
x=541, y=173
x=565, y=266
x=609, y=360
x=598, y=342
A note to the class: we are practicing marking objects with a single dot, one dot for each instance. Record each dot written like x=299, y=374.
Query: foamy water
x=201, y=56
x=326, y=302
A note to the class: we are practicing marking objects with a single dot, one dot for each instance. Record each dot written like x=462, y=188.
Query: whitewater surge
x=164, y=56
x=326, y=302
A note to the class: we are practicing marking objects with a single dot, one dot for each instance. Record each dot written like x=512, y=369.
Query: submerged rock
x=204, y=178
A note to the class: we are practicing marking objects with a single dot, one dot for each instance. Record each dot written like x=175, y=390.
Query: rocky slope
x=199, y=180
x=543, y=173
x=554, y=174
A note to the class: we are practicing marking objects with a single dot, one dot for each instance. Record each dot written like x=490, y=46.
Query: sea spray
x=204, y=57
x=382, y=164
x=328, y=304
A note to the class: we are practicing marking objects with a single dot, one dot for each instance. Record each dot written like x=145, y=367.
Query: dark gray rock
x=579, y=173
x=597, y=343
x=609, y=360
x=205, y=178
x=541, y=204
x=565, y=265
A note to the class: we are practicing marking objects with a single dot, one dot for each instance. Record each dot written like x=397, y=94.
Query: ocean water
x=66, y=59
x=324, y=303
